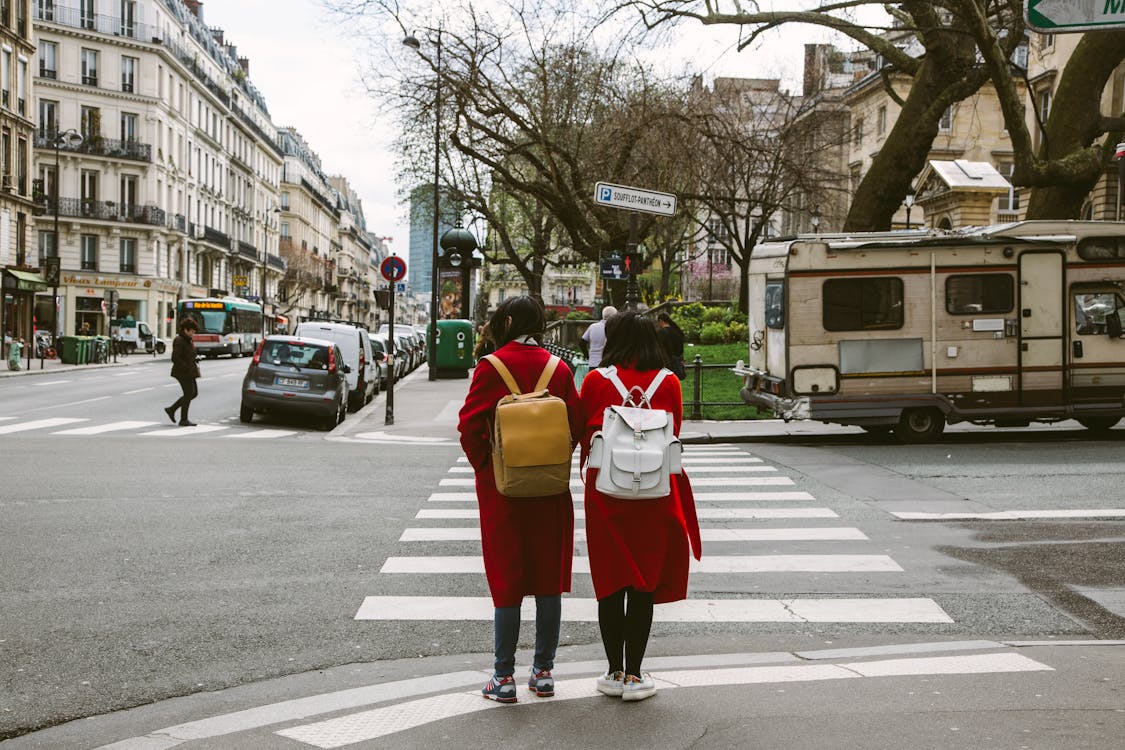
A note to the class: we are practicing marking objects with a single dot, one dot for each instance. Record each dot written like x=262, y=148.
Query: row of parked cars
x=324, y=370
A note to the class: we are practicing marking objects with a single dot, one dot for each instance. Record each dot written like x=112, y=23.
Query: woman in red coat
x=528, y=542
x=639, y=549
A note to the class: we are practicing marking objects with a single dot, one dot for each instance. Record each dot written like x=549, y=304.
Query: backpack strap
x=663, y=373
x=611, y=375
x=506, y=374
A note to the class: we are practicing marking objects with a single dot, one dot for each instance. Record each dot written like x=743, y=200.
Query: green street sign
x=1065, y=16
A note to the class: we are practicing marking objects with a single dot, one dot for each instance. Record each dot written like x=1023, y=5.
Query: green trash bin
x=453, y=349
x=84, y=349
x=68, y=346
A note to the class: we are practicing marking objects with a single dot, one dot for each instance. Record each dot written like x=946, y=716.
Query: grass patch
x=718, y=385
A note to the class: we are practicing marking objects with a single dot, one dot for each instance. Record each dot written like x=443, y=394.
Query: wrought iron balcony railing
x=99, y=146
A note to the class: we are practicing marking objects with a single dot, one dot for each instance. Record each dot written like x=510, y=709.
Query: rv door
x=1042, y=318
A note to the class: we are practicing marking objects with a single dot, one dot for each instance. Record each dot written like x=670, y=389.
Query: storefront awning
x=24, y=281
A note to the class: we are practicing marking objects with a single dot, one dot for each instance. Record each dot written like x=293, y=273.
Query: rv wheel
x=1098, y=424
x=919, y=425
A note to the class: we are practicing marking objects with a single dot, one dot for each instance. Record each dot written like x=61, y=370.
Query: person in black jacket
x=672, y=338
x=185, y=370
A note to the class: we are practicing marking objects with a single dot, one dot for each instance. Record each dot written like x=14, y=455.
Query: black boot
x=184, y=418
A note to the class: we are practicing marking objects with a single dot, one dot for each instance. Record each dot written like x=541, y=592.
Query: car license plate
x=292, y=382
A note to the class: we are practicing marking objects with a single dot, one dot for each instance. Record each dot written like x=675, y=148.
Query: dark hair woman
x=528, y=542
x=185, y=371
x=639, y=549
x=672, y=339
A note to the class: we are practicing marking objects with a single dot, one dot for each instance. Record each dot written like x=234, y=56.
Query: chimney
x=217, y=35
x=245, y=63
x=196, y=8
x=814, y=72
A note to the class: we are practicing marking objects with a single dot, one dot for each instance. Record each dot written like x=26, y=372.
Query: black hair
x=187, y=323
x=528, y=319
x=667, y=320
x=631, y=341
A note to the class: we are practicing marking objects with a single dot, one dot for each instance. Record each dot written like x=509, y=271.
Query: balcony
x=246, y=250
x=77, y=18
x=98, y=146
x=45, y=72
x=214, y=236
x=84, y=208
x=90, y=80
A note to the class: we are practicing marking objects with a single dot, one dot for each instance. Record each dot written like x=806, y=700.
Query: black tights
x=625, y=632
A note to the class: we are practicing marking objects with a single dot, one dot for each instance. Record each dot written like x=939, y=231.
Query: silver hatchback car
x=295, y=375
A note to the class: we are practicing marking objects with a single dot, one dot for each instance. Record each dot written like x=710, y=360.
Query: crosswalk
x=749, y=512
x=68, y=427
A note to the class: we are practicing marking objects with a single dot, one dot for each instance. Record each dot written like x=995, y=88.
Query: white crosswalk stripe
x=453, y=564
x=12, y=425
x=724, y=514
x=37, y=424
x=814, y=534
x=103, y=428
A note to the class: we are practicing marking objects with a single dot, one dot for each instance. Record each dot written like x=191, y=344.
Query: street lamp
x=431, y=338
x=908, y=201
x=265, y=262
x=73, y=139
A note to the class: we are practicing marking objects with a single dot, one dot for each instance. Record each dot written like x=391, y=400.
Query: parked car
x=379, y=350
x=406, y=343
x=296, y=375
x=355, y=343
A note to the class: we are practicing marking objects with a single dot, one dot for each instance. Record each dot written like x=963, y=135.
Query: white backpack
x=636, y=450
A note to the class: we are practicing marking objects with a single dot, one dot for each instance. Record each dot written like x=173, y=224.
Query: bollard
x=697, y=388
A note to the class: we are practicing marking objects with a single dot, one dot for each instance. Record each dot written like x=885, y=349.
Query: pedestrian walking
x=593, y=340
x=672, y=339
x=185, y=369
x=527, y=542
x=486, y=342
x=639, y=549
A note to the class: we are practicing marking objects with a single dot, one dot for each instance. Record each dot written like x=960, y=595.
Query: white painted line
x=453, y=497
x=124, y=373
x=7, y=419
x=454, y=564
x=387, y=720
x=727, y=497
x=199, y=429
x=917, y=610
x=824, y=534
x=262, y=434
x=38, y=424
x=461, y=470
x=737, y=481
x=691, y=459
x=139, y=390
x=99, y=429
x=1013, y=515
x=703, y=513
x=399, y=438
x=49, y=382
x=79, y=403
x=692, y=470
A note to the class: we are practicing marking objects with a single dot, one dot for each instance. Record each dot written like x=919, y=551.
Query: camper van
x=913, y=330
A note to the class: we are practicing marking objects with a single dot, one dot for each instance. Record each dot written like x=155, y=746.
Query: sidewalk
x=55, y=366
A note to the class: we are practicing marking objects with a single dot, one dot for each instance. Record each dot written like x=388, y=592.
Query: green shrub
x=716, y=315
x=713, y=333
x=579, y=315
x=737, y=332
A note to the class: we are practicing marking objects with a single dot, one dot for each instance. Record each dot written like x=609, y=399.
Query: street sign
x=613, y=269
x=51, y=270
x=241, y=280
x=393, y=268
x=1065, y=16
x=400, y=287
x=636, y=199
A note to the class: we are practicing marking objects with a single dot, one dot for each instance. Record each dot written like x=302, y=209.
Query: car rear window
x=298, y=353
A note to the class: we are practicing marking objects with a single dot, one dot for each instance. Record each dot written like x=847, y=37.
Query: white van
x=355, y=344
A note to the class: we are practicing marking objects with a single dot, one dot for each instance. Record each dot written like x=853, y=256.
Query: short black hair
x=631, y=341
x=528, y=319
x=187, y=323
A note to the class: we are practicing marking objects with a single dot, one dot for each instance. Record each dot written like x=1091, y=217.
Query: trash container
x=453, y=355
x=68, y=349
x=84, y=346
x=581, y=370
x=15, y=350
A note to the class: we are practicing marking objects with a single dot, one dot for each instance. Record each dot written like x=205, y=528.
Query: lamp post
x=73, y=139
x=265, y=263
x=431, y=338
x=908, y=201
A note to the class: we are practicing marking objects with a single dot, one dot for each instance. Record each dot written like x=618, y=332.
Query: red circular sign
x=393, y=268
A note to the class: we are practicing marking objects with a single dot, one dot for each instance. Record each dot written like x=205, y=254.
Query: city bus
x=224, y=325
x=909, y=331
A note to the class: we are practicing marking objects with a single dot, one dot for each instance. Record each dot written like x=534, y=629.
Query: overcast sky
x=307, y=69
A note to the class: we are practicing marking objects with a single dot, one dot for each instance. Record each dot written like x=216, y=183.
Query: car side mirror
x=1113, y=324
x=380, y=357
x=347, y=369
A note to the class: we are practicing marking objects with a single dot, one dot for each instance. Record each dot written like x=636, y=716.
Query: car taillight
x=331, y=361
x=258, y=352
x=362, y=360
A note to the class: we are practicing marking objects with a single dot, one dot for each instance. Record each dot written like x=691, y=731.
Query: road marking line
x=99, y=429
x=38, y=424
x=693, y=458
x=387, y=720
x=264, y=434
x=728, y=497
x=453, y=497
x=399, y=438
x=703, y=513
x=78, y=403
x=815, y=534
x=199, y=429
x=696, y=482
x=139, y=390
x=49, y=382
x=694, y=469
x=1003, y=515
x=454, y=564
x=577, y=609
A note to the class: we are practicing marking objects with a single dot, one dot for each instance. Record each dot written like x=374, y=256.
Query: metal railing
x=106, y=211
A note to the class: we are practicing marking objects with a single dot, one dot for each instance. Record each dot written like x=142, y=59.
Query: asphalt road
x=145, y=563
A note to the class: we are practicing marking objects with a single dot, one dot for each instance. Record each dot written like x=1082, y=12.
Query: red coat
x=528, y=543
x=639, y=543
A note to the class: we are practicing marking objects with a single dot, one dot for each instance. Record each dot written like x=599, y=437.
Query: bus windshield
x=208, y=321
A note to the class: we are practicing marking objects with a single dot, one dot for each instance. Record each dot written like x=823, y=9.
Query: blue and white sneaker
x=611, y=683
x=541, y=683
x=500, y=689
x=638, y=688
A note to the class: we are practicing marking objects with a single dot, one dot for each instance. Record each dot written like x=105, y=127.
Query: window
x=1011, y=201
x=1101, y=248
x=881, y=121
x=90, y=122
x=128, y=195
x=128, y=127
x=89, y=59
x=1046, y=41
x=21, y=166
x=983, y=293
x=89, y=252
x=48, y=60
x=1044, y=105
x=858, y=133
x=86, y=9
x=5, y=76
x=128, y=17
x=128, y=255
x=284, y=229
x=1090, y=311
x=775, y=305
x=89, y=189
x=46, y=9
x=128, y=73
x=21, y=86
x=48, y=118
x=945, y=124
x=862, y=304
x=285, y=201
x=46, y=246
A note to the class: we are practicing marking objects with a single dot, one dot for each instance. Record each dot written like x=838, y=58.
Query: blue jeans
x=548, y=618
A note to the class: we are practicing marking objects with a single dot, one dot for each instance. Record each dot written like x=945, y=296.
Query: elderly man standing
x=593, y=340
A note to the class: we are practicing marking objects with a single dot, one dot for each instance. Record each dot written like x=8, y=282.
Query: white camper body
x=909, y=331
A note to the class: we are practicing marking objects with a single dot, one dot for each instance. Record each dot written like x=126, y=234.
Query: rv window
x=1090, y=311
x=862, y=304
x=971, y=294
x=775, y=305
x=1102, y=248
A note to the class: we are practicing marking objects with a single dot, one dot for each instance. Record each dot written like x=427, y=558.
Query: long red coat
x=639, y=543
x=528, y=542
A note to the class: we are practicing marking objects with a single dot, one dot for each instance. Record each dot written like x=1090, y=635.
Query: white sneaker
x=611, y=683
x=635, y=688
